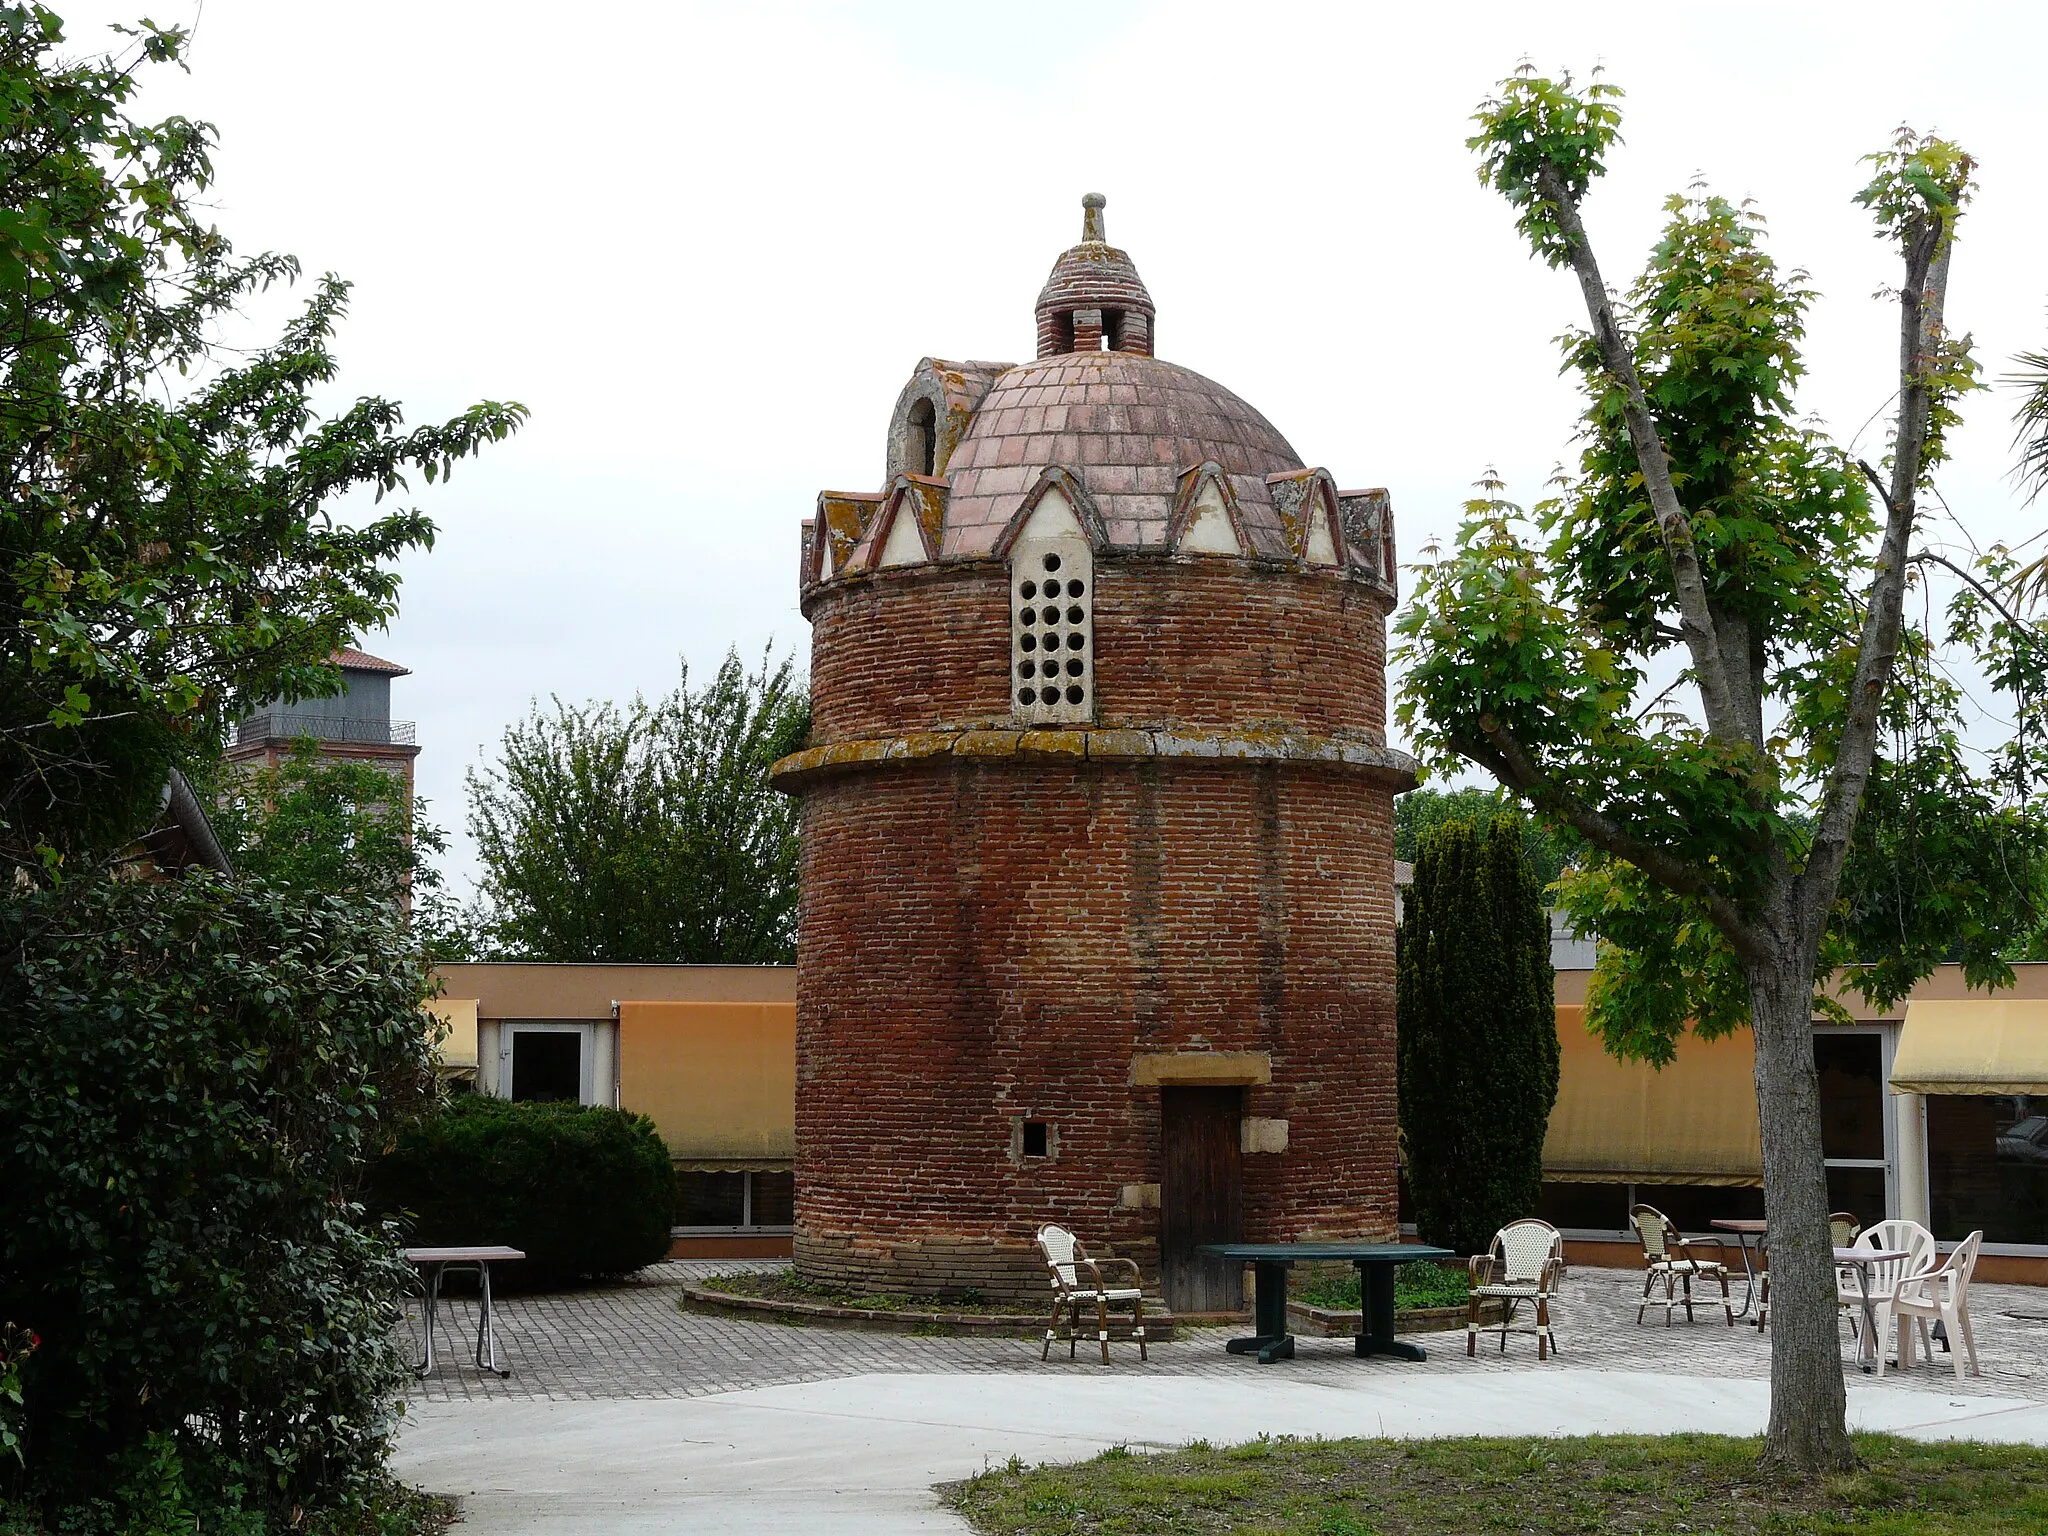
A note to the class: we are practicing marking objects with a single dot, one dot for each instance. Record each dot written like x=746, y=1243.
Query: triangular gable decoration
x=1322, y=543
x=1205, y=517
x=1056, y=507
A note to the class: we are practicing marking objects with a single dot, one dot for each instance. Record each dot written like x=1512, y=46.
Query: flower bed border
x=816, y=1314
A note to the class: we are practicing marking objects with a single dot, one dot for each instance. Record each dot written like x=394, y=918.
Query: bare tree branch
x=1507, y=760
x=1697, y=623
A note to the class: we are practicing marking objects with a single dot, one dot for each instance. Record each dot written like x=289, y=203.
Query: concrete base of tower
x=1005, y=1273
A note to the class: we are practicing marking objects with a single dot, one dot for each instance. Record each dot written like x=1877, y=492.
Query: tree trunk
x=1808, y=1432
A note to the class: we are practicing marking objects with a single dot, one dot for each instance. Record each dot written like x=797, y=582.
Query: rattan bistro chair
x=1670, y=1258
x=1525, y=1264
x=1078, y=1281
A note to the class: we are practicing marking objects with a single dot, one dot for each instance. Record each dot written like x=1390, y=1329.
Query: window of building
x=548, y=1063
x=1987, y=1167
x=923, y=448
x=1052, y=632
x=737, y=1201
x=1034, y=1138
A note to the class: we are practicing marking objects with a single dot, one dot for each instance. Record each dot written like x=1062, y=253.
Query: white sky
x=708, y=243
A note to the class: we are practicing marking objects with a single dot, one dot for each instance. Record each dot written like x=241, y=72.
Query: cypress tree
x=1477, y=1021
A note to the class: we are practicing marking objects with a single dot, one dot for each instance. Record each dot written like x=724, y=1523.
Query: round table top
x=1747, y=1226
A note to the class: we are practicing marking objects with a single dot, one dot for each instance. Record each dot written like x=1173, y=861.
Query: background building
x=355, y=723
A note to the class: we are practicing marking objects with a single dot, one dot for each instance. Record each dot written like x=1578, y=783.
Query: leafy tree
x=319, y=823
x=169, y=559
x=192, y=1079
x=648, y=833
x=1422, y=811
x=341, y=827
x=1476, y=1013
x=1710, y=535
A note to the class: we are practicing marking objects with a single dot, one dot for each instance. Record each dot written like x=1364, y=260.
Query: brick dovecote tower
x=1098, y=901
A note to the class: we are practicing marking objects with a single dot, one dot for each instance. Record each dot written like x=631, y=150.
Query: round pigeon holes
x=1052, y=562
x=1028, y=642
x=1074, y=694
x=1074, y=640
x=1026, y=668
x=1074, y=588
x=1074, y=614
x=1027, y=616
x=1028, y=590
x=1026, y=695
x=1074, y=667
x=1049, y=695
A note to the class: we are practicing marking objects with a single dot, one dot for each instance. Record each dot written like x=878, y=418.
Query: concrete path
x=859, y=1455
x=624, y=1415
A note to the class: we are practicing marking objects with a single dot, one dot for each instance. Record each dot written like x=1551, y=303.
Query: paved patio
x=624, y=1416
x=630, y=1341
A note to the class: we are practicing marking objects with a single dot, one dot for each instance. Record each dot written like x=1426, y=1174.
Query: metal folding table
x=433, y=1263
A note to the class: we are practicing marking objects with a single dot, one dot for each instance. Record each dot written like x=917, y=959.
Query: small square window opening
x=1035, y=1138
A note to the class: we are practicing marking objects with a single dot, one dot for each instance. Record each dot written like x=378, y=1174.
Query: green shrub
x=191, y=1076
x=581, y=1190
x=1476, y=1019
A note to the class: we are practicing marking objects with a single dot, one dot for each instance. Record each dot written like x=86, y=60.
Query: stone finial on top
x=1091, y=219
x=1094, y=296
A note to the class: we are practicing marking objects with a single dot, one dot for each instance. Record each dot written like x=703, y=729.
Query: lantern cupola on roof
x=1094, y=296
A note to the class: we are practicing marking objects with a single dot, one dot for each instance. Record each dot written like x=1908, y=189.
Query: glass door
x=1856, y=1134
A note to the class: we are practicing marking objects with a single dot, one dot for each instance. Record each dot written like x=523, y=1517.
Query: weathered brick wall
x=984, y=942
x=1183, y=643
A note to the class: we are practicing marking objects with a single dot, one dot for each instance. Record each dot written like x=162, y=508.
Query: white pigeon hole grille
x=1052, y=633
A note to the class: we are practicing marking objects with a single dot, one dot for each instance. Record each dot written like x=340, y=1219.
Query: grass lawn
x=1698, y=1484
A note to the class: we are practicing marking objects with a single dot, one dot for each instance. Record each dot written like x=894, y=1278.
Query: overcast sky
x=707, y=244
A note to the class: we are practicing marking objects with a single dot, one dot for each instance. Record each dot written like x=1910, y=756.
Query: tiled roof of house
x=362, y=661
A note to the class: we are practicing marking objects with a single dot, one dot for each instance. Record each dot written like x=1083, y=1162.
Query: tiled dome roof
x=1127, y=426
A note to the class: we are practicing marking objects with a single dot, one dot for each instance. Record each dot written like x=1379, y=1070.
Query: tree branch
x=1506, y=759
x=1920, y=338
x=1674, y=527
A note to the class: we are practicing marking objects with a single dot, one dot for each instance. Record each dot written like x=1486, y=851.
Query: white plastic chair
x=1896, y=1235
x=1942, y=1293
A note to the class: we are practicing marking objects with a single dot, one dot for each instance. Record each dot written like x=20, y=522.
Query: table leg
x=1749, y=1274
x=1270, y=1339
x=1376, y=1321
x=1869, y=1342
x=433, y=1298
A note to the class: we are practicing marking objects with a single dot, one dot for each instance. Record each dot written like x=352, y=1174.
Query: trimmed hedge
x=581, y=1190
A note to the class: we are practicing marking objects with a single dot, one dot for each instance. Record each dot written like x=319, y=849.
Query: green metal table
x=1375, y=1262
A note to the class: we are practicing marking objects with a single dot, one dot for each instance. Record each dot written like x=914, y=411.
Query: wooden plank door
x=1201, y=1197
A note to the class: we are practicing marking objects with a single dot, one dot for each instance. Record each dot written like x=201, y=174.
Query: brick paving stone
x=630, y=1340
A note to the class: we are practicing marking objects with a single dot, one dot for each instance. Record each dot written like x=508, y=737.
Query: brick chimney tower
x=1098, y=903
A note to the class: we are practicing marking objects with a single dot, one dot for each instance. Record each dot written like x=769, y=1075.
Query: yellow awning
x=717, y=1079
x=1625, y=1122
x=1976, y=1045
x=458, y=1049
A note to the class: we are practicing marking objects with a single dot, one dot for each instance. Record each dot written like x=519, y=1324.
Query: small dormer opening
x=1113, y=329
x=922, y=453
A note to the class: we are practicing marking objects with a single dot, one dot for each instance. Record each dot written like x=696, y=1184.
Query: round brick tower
x=1098, y=903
